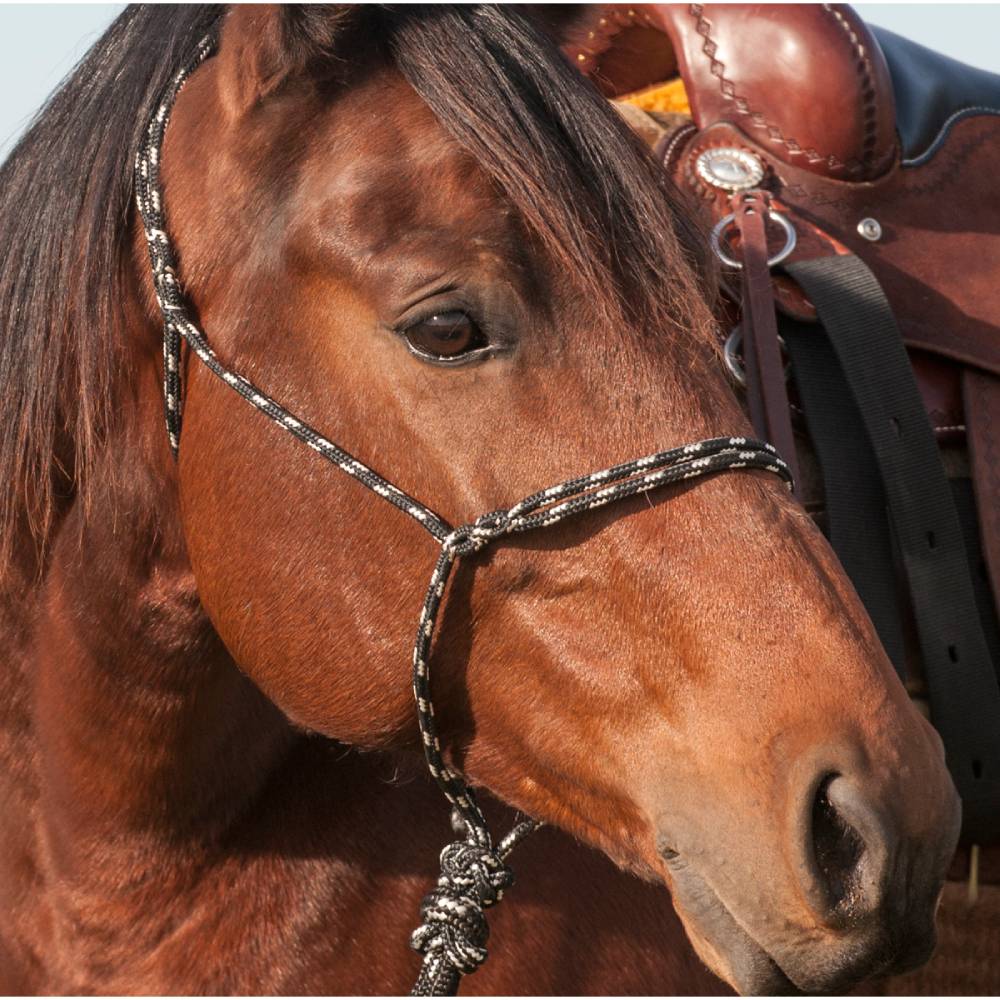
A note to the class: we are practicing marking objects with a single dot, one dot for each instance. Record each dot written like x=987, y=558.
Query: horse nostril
x=838, y=850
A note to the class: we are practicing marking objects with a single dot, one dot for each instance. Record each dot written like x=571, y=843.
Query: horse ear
x=261, y=45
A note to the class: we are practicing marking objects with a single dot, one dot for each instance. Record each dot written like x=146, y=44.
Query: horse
x=426, y=235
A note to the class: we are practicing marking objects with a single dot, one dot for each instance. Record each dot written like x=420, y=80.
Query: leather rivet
x=870, y=230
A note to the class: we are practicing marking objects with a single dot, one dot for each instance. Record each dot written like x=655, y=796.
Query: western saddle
x=848, y=175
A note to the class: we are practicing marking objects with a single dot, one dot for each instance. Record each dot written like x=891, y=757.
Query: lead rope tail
x=452, y=937
x=453, y=931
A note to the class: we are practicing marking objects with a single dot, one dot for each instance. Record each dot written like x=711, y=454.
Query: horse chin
x=735, y=956
x=722, y=944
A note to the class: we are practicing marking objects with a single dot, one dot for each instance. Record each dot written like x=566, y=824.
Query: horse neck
x=138, y=726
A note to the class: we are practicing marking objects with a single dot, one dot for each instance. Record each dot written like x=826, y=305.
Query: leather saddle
x=883, y=153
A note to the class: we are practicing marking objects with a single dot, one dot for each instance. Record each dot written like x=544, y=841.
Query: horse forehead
x=380, y=175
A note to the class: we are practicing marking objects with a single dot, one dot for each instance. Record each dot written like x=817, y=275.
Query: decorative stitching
x=953, y=119
x=869, y=92
x=728, y=90
x=667, y=158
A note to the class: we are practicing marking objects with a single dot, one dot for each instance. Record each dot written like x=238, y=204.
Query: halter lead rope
x=452, y=937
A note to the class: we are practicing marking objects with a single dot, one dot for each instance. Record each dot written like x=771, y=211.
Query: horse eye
x=445, y=336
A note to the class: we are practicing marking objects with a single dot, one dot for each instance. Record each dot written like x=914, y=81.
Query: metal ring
x=731, y=355
x=726, y=221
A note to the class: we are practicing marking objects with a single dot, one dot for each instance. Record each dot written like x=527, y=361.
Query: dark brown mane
x=572, y=169
x=65, y=196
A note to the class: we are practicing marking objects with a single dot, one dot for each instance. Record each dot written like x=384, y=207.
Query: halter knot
x=452, y=937
x=469, y=538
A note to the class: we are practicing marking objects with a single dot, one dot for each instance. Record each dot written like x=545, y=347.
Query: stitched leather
x=932, y=94
x=755, y=65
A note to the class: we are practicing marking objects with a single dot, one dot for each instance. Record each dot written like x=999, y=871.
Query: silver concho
x=729, y=168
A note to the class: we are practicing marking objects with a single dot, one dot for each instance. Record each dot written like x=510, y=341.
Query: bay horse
x=419, y=229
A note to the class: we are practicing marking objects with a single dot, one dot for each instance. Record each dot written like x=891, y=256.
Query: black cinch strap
x=961, y=678
x=857, y=522
x=474, y=874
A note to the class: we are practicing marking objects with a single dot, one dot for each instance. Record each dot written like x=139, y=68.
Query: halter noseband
x=474, y=874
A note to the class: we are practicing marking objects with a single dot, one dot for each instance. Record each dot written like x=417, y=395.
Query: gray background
x=39, y=44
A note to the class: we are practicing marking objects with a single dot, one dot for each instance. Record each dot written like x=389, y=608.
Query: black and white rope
x=452, y=935
x=544, y=508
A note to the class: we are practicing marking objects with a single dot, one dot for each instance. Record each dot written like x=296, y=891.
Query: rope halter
x=452, y=935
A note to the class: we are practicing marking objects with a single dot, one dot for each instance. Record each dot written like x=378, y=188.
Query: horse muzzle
x=852, y=896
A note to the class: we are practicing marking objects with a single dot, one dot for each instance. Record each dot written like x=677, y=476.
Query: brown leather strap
x=765, y=371
x=981, y=394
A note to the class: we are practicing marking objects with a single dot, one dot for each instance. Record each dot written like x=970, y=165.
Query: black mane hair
x=492, y=75
x=65, y=200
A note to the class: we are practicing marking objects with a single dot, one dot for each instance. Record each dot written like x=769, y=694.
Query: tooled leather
x=941, y=231
x=727, y=88
x=757, y=102
x=931, y=191
x=825, y=224
x=869, y=164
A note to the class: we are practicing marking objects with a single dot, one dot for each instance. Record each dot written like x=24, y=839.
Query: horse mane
x=494, y=78
x=65, y=198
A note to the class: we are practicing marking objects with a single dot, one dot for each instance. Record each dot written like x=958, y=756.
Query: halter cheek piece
x=474, y=874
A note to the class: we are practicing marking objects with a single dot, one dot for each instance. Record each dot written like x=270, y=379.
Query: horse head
x=425, y=235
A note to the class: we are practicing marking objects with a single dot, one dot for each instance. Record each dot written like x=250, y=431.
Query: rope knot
x=454, y=929
x=469, y=538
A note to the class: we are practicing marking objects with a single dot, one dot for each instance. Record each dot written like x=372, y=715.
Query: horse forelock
x=579, y=178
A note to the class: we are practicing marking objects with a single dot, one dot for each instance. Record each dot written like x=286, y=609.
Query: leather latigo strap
x=765, y=369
